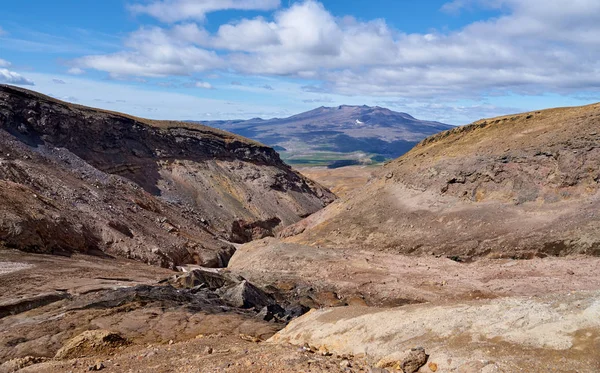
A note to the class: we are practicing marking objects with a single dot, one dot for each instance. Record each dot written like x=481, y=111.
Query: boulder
x=409, y=361
x=91, y=342
x=272, y=311
x=213, y=279
x=246, y=295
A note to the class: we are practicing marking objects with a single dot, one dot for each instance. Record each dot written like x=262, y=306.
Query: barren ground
x=341, y=181
x=365, y=278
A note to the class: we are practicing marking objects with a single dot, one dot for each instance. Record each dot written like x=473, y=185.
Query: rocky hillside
x=517, y=186
x=81, y=179
x=329, y=134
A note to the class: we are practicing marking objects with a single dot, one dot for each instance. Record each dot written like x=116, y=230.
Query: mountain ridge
x=162, y=192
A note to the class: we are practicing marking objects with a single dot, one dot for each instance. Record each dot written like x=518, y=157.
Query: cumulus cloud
x=4, y=63
x=535, y=46
x=11, y=77
x=179, y=10
x=204, y=85
x=156, y=52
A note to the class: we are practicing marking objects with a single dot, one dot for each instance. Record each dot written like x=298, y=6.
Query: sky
x=454, y=61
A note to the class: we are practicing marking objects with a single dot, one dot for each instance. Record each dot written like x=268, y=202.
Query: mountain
x=77, y=179
x=329, y=134
x=515, y=186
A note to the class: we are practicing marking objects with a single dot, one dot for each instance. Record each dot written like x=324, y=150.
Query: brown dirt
x=341, y=181
x=229, y=354
x=384, y=279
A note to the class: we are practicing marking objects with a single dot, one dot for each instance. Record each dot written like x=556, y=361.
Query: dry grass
x=500, y=134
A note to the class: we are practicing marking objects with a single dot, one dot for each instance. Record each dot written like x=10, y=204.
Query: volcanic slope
x=80, y=179
x=513, y=186
x=337, y=133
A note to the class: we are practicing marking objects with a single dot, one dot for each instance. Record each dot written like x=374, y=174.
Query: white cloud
x=155, y=52
x=2, y=32
x=76, y=71
x=204, y=85
x=58, y=81
x=534, y=46
x=179, y=10
x=11, y=77
x=4, y=63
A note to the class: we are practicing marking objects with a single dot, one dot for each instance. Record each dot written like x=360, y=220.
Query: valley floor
x=484, y=316
x=341, y=181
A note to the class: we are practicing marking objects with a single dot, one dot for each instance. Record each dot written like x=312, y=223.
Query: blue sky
x=453, y=61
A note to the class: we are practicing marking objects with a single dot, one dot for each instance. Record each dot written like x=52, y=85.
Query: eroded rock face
x=167, y=193
x=518, y=186
x=242, y=232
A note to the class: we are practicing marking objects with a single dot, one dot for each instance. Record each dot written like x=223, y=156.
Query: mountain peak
x=344, y=130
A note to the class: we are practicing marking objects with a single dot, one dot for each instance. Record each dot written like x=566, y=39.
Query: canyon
x=128, y=244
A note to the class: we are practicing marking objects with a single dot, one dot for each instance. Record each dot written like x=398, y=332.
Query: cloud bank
x=533, y=47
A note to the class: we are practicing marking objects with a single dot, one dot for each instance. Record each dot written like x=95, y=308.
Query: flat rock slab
x=559, y=333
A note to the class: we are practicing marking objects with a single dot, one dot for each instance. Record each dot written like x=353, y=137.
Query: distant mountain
x=337, y=135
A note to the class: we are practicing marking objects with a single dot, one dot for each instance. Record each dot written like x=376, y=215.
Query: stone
x=415, y=359
x=250, y=338
x=97, y=367
x=271, y=312
x=91, y=342
x=246, y=295
x=324, y=351
x=409, y=361
x=296, y=311
x=208, y=350
x=211, y=278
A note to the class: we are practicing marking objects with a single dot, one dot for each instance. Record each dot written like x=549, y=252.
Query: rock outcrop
x=508, y=334
x=168, y=193
x=514, y=186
